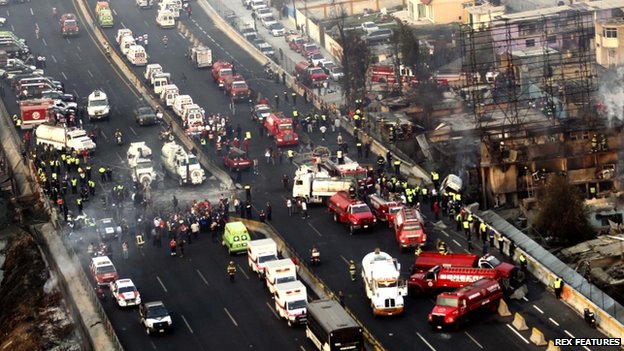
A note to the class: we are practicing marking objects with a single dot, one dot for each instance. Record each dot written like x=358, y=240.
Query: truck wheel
x=335, y=217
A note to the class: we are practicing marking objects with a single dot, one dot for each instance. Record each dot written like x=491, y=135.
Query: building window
x=609, y=32
x=552, y=39
x=530, y=43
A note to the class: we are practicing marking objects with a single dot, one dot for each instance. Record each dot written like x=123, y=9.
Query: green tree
x=562, y=213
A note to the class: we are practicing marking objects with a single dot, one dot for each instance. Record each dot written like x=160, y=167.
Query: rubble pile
x=33, y=314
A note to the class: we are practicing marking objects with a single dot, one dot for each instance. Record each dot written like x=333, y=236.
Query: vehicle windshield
x=310, y=47
x=144, y=164
x=285, y=127
x=412, y=227
x=157, y=312
x=191, y=161
x=264, y=111
x=337, y=70
x=493, y=261
x=394, y=210
x=285, y=279
x=105, y=269
x=294, y=305
x=316, y=70
x=145, y=111
x=126, y=289
x=70, y=23
x=98, y=103
x=239, y=85
x=225, y=72
x=263, y=259
x=446, y=301
x=359, y=209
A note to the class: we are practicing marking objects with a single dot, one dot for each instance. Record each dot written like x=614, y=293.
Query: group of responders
x=587, y=341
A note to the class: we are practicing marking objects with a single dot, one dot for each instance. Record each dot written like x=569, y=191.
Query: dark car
x=144, y=116
x=155, y=317
x=260, y=112
x=237, y=158
x=107, y=229
x=57, y=95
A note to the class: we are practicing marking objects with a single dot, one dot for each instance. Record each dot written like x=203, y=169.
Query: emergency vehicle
x=104, y=14
x=123, y=32
x=440, y=277
x=220, y=70
x=310, y=75
x=201, y=56
x=278, y=272
x=291, y=300
x=159, y=80
x=179, y=103
x=317, y=188
x=385, y=74
x=384, y=289
x=165, y=18
x=193, y=117
x=125, y=43
x=353, y=212
x=259, y=253
x=168, y=94
x=409, y=228
x=150, y=70
x=125, y=293
x=35, y=112
x=384, y=210
x=235, y=87
x=136, y=55
x=97, y=105
x=451, y=308
x=103, y=270
x=281, y=129
x=69, y=25
x=429, y=259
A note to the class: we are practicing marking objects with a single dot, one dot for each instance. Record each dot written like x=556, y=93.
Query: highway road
x=220, y=314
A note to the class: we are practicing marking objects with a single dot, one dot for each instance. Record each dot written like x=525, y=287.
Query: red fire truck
x=35, y=112
x=281, y=129
x=220, y=70
x=440, y=278
x=351, y=211
x=385, y=74
x=236, y=88
x=384, y=210
x=409, y=228
x=427, y=260
x=451, y=308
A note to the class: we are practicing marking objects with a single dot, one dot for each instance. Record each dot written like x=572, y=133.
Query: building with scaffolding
x=530, y=80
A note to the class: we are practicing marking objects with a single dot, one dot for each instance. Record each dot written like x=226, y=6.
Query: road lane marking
x=457, y=243
x=104, y=135
x=242, y=271
x=161, y=283
x=146, y=24
x=569, y=334
x=31, y=12
x=302, y=348
x=67, y=40
x=202, y=277
x=44, y=42
x=473, y=339
x=119, y=156
x=344, y=259
x=445, y=233
x=425, y=341
x=53, y=58
x=64, y=76
x=123, y=25
x=91, y=74
x=272, y=310
x=12, y=28
x=114, y=12
x=133, y=132
x=153, y=346
x=187, y=324
x=516, y=332
x=181, y=36
x=553, y=321
x=537, y=308
x=315, y=230
x=78, y=47
x=586, y=348
x=229, y=315
x=525, y=299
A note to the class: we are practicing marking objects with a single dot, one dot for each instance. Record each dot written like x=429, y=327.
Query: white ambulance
x=279, y=271
x=291, y=301
x=259, y=253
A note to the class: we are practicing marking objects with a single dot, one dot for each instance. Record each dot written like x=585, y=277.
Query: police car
x=98, y=106
x=154, y=317
x=125, y=293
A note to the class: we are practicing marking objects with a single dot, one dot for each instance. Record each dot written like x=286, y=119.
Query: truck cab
x=291, y=301
x=236, y=159
x=429, y=259
x=381, y=273
x=69, y=25
x=165, y=18
x=409, y=228
x=441, y=278
x=235, y=237
x=201, y=56
x=168, y=94
x=354, y=213
x=278, y=272
x=179, y=103
x=140, y=162
x=97, y=105
x=383, y=209
x=136, y=55
x=236, y=88
x=281, y=129
x=259, y=253
x=159, y=80
x=220, y=70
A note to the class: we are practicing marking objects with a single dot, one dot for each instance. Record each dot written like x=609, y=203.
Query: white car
x=97, y=105
x=268, y=21
x=369, y=27
x=336, y=73
x=316, y=58
x=125, y=293
x=277, y=29
x=263, y=12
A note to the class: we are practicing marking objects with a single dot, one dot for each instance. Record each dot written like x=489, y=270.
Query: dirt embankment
x=33, y=314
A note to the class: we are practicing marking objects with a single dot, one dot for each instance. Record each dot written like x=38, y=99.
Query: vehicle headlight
x=354, y=222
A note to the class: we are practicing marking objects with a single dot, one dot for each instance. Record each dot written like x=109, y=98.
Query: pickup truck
x=351, y=211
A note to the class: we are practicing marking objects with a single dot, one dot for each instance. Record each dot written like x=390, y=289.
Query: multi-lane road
x=210, y=312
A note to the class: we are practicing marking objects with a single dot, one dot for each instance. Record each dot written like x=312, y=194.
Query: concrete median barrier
x=503, y=309
x=537, y=337
x=519, y=322
x=552, y=347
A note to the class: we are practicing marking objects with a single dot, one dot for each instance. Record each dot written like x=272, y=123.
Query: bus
x=331, y=328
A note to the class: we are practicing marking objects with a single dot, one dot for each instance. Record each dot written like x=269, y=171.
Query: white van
x=150, y=70
x=122, y=33
x=291, y=301
x=126, y=42
x=278, y=272
x=137, y=55
x=168, y=94
x=179, y=102
x=165, y=18
x=175, y=6
x=259, y=252
x=159, y=80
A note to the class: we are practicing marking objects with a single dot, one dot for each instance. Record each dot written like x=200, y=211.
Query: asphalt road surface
x=209, y=312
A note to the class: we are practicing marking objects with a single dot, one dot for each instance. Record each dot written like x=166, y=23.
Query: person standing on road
x=304, y=210
x=165, y=40
x=124, y=249
x=173, y=246
x=276, y=101
x=289, y=205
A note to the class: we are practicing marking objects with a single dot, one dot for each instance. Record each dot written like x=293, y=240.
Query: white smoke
x=50, y=284
x=611, y=92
